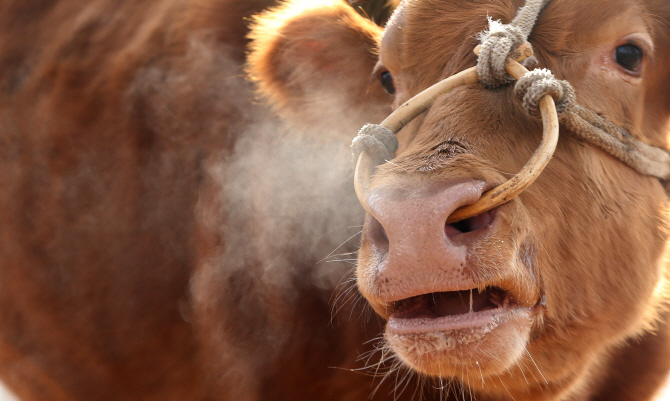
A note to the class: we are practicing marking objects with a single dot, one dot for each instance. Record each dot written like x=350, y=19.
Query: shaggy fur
x=161, y=236
x=583, y=248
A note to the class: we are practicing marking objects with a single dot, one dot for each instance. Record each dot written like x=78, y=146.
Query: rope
x=599, y=131
x=499, y=41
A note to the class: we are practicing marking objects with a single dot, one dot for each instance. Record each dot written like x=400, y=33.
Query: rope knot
x=536, y=84
x=379, y=142
x=501, y=39
x=497, y=43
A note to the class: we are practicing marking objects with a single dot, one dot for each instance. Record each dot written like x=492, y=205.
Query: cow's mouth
x=445, y=331
x=441, y=304
x=451, y=310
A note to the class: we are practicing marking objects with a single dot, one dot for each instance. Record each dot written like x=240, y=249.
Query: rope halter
x=503, y=49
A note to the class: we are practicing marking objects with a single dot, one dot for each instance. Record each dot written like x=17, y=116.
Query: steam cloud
x=284, y=201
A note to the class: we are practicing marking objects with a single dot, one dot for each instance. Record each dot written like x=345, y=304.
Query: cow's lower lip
x=470, y=321
x=489, y=340
x=446, y=311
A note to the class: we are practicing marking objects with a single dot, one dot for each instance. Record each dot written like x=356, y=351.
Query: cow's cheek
x=604, y=256
x=366, y=274
x=599, y=259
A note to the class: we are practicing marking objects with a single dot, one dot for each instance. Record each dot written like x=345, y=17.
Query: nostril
x=376, y=232
x=469, y=225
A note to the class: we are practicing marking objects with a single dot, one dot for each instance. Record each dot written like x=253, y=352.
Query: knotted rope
x=536, y=84
x=378, y=141
x=500, y=39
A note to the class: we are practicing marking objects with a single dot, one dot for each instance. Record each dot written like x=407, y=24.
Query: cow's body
x=98, y=234
x=149, y=248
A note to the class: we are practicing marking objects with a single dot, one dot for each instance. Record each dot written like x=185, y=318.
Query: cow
x=162, y=235
x=558, y=294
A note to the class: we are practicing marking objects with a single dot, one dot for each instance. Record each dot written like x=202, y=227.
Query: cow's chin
x=462, y=334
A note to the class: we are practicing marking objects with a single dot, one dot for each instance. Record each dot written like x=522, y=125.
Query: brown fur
x=588, y=237
x=161, y=236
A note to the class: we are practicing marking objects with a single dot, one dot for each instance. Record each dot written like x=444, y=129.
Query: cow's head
x=532, y=295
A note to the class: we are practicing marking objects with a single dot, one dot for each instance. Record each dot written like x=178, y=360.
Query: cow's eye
x=629, y=57
x=387, y=82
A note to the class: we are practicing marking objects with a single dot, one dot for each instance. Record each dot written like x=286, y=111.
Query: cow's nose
x=408, y=233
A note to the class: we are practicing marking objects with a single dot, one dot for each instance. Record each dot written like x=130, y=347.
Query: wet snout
x=415, y=251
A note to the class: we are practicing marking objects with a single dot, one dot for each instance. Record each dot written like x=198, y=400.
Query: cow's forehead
x=424, y=33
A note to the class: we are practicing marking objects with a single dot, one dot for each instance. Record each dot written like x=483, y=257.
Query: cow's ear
x=314, y=61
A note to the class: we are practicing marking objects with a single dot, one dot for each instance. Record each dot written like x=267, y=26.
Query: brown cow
x=555, y=295
x=161, y=238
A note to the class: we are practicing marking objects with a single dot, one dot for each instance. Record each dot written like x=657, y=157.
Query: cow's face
x=566, y=270
x=532, y=295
